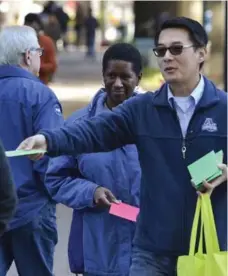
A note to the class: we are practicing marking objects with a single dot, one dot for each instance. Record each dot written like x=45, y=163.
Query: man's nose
x=168, y=56
x=118, y=82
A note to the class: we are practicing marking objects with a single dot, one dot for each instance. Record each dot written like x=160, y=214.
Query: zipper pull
x=183, y=151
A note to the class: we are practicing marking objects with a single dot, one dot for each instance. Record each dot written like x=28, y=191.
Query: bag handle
x=207, y=227
x=200, y=245
x=195, y=227
x=211, y=237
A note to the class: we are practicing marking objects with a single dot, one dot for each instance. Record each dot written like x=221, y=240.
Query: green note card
x=203, y=168
x=214, y=175
x=219, y=156
x=206, y=168
x=15, y=153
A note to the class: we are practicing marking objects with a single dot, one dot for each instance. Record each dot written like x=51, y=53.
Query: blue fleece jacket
x=73, y=181
x=168, y=200
x=26, y=106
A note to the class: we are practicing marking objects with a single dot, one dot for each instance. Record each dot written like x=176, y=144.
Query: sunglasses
x=175, y=50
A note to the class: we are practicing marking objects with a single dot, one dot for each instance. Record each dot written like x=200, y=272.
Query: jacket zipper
x=183, y=151
x=183, y=148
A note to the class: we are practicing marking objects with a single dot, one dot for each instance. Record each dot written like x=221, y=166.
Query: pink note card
x=124, y=211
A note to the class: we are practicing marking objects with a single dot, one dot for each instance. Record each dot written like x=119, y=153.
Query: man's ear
x=26, y=58
x=202, y=54
x=139, y=77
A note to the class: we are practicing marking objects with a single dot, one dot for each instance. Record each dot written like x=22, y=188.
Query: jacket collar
x=7, y=71
x=196, y=94
x=100, y=95
x=209, y=97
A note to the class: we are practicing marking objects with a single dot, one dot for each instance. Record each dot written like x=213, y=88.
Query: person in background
x=89, y=183
x=80, y=19
x=184, y=120
x=53, y=29
x=26, y=106
x=48, y=59
x=63, y=19
x=91, y=25
x=8, y=197
x=48, y=8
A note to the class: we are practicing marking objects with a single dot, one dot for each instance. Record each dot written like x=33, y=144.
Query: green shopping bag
x=214, y=262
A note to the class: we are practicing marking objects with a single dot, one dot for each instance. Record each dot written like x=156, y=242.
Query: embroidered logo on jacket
x=58, y=110
x=209, y=125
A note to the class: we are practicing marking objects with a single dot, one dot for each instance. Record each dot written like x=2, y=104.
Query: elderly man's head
x=19, y=46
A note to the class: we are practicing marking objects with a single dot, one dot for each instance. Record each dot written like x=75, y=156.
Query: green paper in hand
x=206, y=168
x=219, y=157
x=217, y=174
x=16, y=153
x=203, y=168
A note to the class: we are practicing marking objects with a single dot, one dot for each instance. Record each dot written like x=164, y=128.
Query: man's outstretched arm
x=104, y=132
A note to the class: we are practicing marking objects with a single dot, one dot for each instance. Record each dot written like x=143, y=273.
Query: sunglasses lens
x=176, y=49
x=160, y=51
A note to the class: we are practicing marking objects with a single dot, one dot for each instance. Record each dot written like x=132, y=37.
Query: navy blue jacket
x=26, y=106
x=74, y=181
x=167, y=199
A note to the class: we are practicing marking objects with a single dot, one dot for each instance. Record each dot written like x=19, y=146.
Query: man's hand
x=104, y=197
x=34, y=142
x=209, y=187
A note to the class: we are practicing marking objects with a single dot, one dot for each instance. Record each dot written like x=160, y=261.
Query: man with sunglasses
x=26, y=106
x=182, y=121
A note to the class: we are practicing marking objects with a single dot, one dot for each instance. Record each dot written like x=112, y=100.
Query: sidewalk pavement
x=74, y=97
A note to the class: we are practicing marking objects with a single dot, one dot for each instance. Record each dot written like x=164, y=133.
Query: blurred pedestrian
x=91, y=24
x=184, y=120
x=48, y=8
x=90, y=183
x=63, y=20
x=80, y=19
x=53, y=29
x=26, y=106
x=48, y=59
x=8, y=198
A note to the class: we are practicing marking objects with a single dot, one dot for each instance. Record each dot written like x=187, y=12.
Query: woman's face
x=120, y=81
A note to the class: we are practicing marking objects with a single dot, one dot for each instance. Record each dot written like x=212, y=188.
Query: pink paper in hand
x=124, y=211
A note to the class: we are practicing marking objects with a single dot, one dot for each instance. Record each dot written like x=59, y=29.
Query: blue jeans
x=31, y=246
x=90, y=46
x=145, y=263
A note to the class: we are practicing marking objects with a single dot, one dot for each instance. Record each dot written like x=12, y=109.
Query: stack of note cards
x=206, y=168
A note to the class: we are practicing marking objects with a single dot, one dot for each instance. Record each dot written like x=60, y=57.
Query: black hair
x=197, y=33
x=33, y=17
x=125, y=52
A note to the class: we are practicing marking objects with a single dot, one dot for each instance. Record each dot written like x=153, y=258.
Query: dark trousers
x=145, y=263
x=31, y=246
x=90, y=43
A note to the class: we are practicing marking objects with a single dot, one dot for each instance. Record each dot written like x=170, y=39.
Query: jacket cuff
x=91, y=203
x=50, y=143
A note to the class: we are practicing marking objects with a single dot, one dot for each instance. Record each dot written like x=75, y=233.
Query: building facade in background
x=149, y=14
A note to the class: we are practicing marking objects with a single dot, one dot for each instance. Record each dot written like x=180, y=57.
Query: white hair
x=14, y=41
